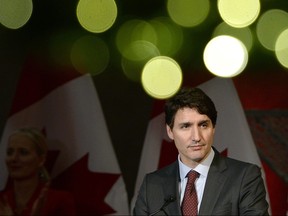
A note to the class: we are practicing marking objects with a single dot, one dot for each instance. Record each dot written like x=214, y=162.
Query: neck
x=23, y=191
x=25, y=185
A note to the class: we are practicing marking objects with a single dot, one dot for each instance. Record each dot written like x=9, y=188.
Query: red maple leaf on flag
x=168, y=153
x=89, y=188
x=51, y=157
x=224, y=153
x=49, y=96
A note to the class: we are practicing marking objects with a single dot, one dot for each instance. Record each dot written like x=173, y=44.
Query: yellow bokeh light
x=281, y=48
x=15, y=13
x=96, y=15
x=225, y=56
x=243, y=34
x=239, y=13
x=269, y=27
x=188, y=13
x=161, y=77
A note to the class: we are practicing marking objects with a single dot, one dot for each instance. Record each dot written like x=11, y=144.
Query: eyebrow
x=204, y=121
x=199, y=123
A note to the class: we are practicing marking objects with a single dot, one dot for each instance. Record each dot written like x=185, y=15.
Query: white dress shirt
x=202, y=169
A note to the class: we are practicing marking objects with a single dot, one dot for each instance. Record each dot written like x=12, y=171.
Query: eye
x=185, y=125
x=204, y=125
x=9, y=151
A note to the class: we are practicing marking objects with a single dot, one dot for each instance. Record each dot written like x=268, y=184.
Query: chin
x=198, y=156
x=17, y=175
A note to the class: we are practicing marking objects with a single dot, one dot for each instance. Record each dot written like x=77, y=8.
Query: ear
x=214, y=131
x=169, y=132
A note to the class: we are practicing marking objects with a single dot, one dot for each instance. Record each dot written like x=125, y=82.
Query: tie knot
x=192, y=175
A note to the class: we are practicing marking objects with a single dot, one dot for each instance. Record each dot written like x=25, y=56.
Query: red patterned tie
x=190, y=202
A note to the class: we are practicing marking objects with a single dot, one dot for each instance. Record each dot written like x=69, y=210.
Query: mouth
x=196, y=147
x=14, y=167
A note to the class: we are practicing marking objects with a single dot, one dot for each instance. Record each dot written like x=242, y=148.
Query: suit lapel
x=171, y=188
x=214, y=184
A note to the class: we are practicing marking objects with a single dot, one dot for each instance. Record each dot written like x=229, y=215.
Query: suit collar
x=201, y=168
x=214, y=184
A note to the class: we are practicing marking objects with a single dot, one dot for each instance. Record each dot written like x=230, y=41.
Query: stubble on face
x=193, y=135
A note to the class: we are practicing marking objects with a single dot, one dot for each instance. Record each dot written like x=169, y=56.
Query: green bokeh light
x=135, y=57
x=243, y=34
x=169, y=35
x=269, y=27
x=134, y=30
x=60, y=46
x=90, y=54
x=188, y=13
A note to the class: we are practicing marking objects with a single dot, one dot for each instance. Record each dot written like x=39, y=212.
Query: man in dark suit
x=223, y=186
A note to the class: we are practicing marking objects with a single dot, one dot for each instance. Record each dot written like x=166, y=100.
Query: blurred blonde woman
x=29, y=193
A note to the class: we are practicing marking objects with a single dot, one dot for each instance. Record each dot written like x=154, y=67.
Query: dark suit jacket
x=232, y=188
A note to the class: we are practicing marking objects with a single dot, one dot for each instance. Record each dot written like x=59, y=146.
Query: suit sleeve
x=253, y=193
x=140, y=207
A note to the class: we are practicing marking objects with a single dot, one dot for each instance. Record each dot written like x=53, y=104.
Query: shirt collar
x=201, y=168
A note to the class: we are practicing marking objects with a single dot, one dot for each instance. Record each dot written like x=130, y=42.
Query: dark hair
x=192, y=98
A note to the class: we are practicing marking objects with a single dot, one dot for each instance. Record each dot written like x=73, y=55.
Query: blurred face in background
x=22, y=159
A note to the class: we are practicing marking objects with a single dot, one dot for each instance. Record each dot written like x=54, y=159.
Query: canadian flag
x=232, y=137
x=81, y=159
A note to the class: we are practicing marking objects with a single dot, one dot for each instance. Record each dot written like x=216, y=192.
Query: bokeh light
x=96, y=15
x=90, y=54
x=60, y=46
x=239, y=13
x=160, y=31
x=15, y=13
x=169, y=35
x=225, y=56
x=243, y=34
x=188, y=13
x=139, y=50
x=281, y=48
x=161, y=77
x=134, y=30
x=135, y=57
x=269, y=27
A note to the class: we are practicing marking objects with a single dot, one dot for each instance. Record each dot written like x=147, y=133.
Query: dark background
x=120, y=97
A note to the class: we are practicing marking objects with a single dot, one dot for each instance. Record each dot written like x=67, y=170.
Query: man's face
x=193, y=135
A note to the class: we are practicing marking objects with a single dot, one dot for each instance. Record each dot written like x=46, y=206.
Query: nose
x=12, y=156
x=196, y=136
